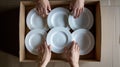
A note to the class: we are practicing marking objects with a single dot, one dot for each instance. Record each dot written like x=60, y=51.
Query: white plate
x=85, y=40
x=58, y=38
x=58, y=17
x=33, y=39
x=85, y=20
x=34, y=21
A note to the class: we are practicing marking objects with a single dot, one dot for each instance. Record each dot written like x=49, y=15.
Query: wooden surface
x=110, y=41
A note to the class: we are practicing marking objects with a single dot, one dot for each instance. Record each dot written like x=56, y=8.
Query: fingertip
x=49, y=47
x=74, y=14
x=70, y=7
x=45, y=42
x=72, y=42
x=38, y=48
x=49, y=9
x=65, y=48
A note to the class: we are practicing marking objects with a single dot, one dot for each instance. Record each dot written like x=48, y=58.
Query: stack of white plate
x=81, y=33
x=38, y=27
x=59, y=22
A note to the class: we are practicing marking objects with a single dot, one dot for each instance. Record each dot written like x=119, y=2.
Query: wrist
x=74, y=64
x=42, y=64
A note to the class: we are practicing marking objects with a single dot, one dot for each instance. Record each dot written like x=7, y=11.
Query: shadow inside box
x=9, y=29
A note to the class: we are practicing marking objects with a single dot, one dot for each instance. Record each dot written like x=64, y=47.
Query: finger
x=38, y=49
x=43, y=15
x=66, y=51
x=42, y=47
x=74, y=12
x=81, y=10
x=70, y=46
x=73, y=45
x=45, y=11
x=70, y=7
x=49, y=47
x=45, y=44
x=37, y=10
x=49, y=8
x=41, y=50
x=78, y=12
x=78, y=47
x=40, y=10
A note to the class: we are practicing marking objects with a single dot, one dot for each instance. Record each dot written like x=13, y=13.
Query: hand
x=77, y=7
x=44, y=54
x=43, y=7
x=72, y=54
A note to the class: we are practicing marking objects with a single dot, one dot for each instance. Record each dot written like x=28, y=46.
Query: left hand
x=43, y=7
x=77, y=7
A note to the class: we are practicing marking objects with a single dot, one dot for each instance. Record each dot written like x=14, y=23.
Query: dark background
x=9, y=26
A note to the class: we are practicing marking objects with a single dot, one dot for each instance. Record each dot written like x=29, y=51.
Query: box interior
x=94, y=7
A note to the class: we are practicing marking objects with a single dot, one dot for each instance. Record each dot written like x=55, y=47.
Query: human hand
x=72, y=54
x=77, y=7
x=44, y=54
x=43, y=7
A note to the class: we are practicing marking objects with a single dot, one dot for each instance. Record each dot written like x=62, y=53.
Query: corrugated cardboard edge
x=98, y=31
x=22, y=28
x=21, y=33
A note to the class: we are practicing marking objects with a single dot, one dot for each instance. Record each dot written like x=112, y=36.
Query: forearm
x=74, y=65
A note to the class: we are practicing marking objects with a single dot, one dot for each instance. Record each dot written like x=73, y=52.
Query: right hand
x=44, y=54
x=72, y=54
x=43, y=7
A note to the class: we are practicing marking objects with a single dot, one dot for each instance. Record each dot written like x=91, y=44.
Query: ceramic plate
x=34, y=21
x=85, y=40
x=58, y=38
x=33, y=39
x=58, y=18
x=85, y=20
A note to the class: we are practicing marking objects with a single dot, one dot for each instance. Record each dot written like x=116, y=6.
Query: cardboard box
x=94, y=55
